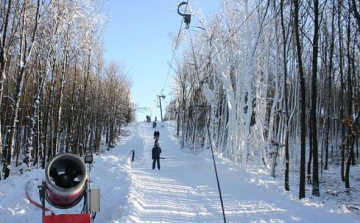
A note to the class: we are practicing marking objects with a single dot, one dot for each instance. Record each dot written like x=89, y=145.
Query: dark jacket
x=156, y=134
x=156, y=152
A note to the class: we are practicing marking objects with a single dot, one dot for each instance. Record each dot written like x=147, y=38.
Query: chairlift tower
x=159, y=97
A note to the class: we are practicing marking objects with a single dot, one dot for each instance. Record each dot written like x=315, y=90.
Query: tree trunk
x=302, y=101
x=11, y=142
x=348, y=162
x=3, y=46
x=356, y=12
x=351, y=141
x=59, y=97
x=25, y=51
x=330, y=80
x=287, y=119
x=313, y=111
x=342, y=89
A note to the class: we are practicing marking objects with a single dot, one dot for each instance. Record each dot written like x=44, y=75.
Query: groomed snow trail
x=164, y=196
x=185, y=189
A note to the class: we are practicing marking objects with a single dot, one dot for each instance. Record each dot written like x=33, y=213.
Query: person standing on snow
x=156, y=135
x=156, y=155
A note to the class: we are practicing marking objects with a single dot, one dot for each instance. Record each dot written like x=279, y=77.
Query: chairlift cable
x=215, y=169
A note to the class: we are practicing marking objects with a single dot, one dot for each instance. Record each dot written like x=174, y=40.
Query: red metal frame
x=67, y=218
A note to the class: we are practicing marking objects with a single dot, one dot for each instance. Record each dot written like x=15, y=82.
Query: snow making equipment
x=67, y=182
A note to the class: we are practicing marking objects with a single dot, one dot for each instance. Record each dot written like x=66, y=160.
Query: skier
x=156, y=155
x=156, y=135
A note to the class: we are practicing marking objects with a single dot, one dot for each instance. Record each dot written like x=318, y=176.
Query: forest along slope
x=185, y=189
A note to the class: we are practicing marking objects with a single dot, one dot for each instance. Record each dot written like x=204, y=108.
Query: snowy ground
x=184, y=190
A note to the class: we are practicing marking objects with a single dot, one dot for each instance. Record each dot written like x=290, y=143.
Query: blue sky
x=139, y=37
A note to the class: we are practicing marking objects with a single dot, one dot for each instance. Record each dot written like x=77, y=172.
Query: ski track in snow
x=159, y=195
x=185, y=189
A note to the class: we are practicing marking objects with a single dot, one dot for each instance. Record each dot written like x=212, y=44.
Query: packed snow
x=185, y=189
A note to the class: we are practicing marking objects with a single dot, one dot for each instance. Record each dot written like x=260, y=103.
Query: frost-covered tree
x=28, y=19
x=53, y=80
x=279, y=79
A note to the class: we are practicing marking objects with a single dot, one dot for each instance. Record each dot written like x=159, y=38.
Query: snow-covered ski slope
x=184, y=190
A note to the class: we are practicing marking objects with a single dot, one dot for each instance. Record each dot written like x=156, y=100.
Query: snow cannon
x=65, y=181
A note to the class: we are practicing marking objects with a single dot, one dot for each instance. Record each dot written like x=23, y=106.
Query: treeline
x=274, y=82
x=56, y=92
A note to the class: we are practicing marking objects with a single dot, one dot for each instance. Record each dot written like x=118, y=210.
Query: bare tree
x=26, y=30
x=355, y=8
x=3, y=55
x=302, y=98
x=329, y=38
x=313, y=110
x=285, y=37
